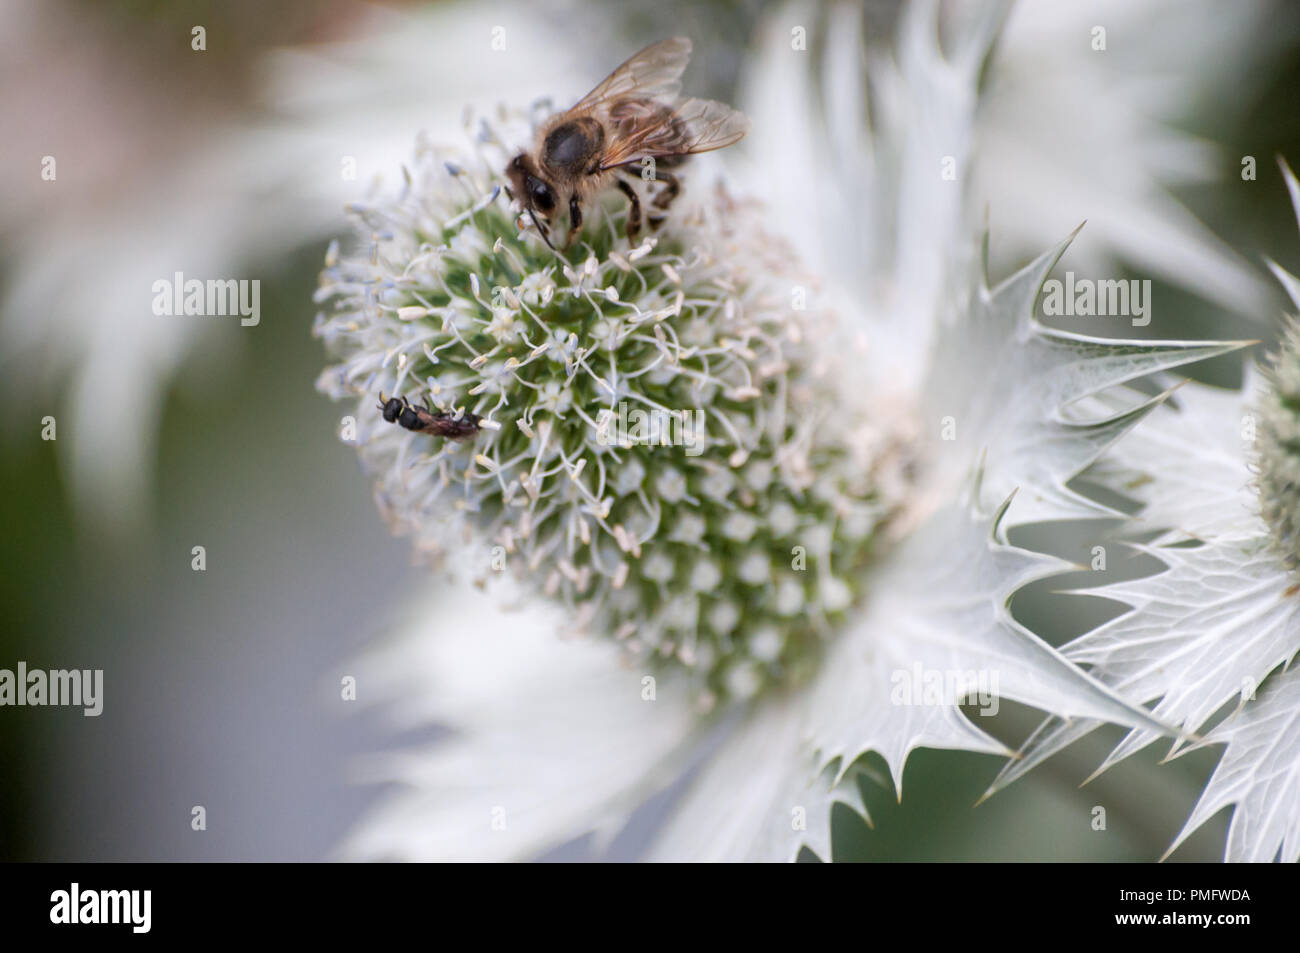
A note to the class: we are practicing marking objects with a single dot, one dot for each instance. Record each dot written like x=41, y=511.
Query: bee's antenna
x=546, y=238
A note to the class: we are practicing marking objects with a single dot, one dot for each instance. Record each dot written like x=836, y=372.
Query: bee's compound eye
x=392, y=407
x=541, y=194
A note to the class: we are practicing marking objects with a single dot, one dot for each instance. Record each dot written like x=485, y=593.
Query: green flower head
x=659, y=433
x=1278, y=445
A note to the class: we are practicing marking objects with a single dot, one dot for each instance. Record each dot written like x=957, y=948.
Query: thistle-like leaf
x=1032, y=417
x=1217, y=479
x=1260, y=774
x=936, y=630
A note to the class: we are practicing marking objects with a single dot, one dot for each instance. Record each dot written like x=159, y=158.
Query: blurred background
x=232, y=161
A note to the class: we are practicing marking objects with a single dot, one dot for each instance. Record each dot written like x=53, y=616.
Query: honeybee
x=401, y=411
x=630, y=122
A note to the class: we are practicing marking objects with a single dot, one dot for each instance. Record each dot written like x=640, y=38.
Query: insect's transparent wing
x=654, y=73
x=712, y=125
x=696, y=125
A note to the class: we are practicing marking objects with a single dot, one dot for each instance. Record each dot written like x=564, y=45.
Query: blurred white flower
x=848, y=148
x=251, y=189
x=1084, y=116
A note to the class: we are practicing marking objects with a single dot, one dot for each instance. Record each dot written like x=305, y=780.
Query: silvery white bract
x=549, y=739
x=1218, y=477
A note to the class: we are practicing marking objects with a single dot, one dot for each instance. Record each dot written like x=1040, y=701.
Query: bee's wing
x=654, y=73
x=696, y=125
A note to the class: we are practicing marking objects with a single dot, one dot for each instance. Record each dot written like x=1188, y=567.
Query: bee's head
x=533, y=192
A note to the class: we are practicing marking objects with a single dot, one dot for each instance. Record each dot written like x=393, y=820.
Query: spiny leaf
x=1260, y=774
x=1022, y=413
x=939, y=604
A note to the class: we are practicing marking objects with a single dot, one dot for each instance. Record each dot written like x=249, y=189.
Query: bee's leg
x=634, y=212
x=672, y=189
x=575, y=222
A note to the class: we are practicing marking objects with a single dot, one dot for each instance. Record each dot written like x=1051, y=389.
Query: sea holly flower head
x=685, y=455
x=1278, y=445
x=665, y=443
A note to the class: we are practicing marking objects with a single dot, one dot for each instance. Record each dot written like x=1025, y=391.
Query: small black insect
x=401, y=411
